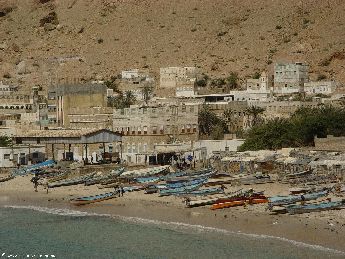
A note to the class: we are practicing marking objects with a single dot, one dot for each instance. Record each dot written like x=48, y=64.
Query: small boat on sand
x=6, y=178
x=306, y=208
x=290, y=199
x=255, y=199
x=94, y=198
x=72, y=181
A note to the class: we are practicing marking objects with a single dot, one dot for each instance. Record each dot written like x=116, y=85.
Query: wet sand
x=319, y=228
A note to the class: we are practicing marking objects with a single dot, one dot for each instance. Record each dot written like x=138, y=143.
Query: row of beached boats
x=197, y=188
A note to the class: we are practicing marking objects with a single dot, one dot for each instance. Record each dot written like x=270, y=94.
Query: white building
x=130, y=74
x=185, y=91
x=320, y=87
x=12, y=156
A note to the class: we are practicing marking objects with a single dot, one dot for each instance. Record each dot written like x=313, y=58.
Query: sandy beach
x=320, y=228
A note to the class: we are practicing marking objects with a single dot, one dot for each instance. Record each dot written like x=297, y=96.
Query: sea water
x=35, y=232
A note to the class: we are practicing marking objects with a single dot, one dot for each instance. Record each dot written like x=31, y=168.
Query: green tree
x=232, y=80
x=210, y=124
x=147, y=92
x=254, y=114
x=5, y=141
x=129, y=99
x=298, y=130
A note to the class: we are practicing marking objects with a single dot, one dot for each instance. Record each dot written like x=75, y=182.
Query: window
x=139, y=130
x=188, y=128
x=7, y=156
x=161, y=130
x=154, y=129
x=145, y=147
x=194, y=128
x=182, y=129
x=145, y=130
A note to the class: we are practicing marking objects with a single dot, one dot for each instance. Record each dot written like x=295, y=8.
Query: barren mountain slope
x=43, y=40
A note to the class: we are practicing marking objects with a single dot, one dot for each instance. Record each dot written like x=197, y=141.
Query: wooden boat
x=151, y=179
x=175, y=191
x=298, y=209
x=32, y=168
x=188, y=183
x=210, y=201
x=238, y=201
x=201, y=192
x=73, y=181
x=98, y=179
x=144, y=172
x=228, y=204
x=290, y=199
x=6, y=178
x=94, y=198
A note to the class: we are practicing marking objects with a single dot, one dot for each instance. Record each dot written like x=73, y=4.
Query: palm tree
x=254, y=113
x=147, y=93
x=228, y=116
x=129, y=98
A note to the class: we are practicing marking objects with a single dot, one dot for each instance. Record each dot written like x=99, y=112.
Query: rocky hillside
x=46, y=40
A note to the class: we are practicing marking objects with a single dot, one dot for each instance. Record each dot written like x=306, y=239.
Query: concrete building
x=21, y=155
x=144, y=127
x=185, y=91
x=173, y=77
x=289, y=78
x=91, y=118
x=63, y=99
x=320, y=87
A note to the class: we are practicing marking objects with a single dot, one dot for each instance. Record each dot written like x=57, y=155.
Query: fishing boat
x=210, y=201
x=99, y=178
x=201, y=192
x=32, y=168
x=188, y=183
x=176, y=191
x=94, y=198
x=6, y=178
x=290, y=199
x=151, y=179
x=73, y=181
x=238, y=201
x=298, y=209
x=144, y=172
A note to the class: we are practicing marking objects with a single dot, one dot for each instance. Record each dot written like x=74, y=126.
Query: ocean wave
x=173, y=226
x=56, y=211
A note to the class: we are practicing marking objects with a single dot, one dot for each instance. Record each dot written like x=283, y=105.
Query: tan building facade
x=144, y=127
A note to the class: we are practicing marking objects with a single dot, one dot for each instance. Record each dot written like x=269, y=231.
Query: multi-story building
x=91, y=118
x=145, y=127
x=63, y=99
x=289, y=78
x=173, y=77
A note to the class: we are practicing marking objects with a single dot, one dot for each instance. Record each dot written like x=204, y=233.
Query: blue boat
x=202, y=192
x=93, y=199
x=32, y=168
x=187, y=183
x=290, y=199
x=298, y=209
x=176, y=191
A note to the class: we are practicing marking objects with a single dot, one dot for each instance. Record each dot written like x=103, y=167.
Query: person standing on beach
x=34, y=180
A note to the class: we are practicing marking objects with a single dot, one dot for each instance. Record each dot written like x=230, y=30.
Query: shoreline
x=314, y=229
